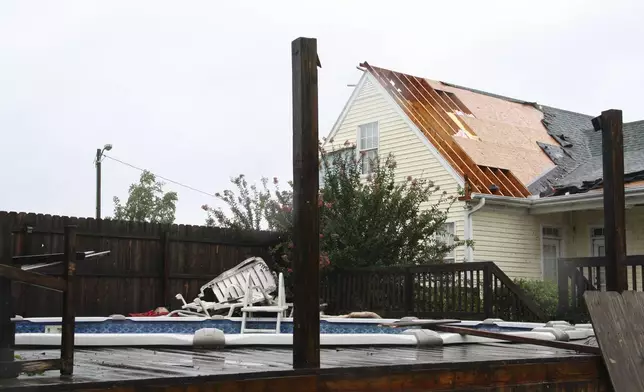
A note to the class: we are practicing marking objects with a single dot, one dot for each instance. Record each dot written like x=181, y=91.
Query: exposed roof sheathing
x=430, y=111
x=507, y=146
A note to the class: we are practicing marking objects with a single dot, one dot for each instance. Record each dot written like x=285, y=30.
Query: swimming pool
x=224, y=331
x=232, y=325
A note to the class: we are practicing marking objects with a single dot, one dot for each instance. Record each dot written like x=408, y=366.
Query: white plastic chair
x=229, y=288
x=279, y=307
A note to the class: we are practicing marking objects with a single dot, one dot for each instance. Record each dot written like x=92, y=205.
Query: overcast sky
x=200, y=91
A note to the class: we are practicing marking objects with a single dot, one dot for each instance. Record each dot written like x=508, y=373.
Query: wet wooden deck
x=462, y=367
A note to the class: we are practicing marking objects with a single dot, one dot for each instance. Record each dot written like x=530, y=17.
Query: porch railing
x=577, y=275
x=474, y=291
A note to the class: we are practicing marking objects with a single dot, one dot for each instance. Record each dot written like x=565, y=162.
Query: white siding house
x=512, y=157
x=370, y=106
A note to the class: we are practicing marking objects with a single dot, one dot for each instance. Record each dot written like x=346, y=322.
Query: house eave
x=575, y=202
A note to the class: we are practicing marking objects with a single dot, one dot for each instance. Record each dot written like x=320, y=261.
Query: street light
x=99, y=157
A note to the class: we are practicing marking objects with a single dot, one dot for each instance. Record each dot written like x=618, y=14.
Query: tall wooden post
x=610, y=124
x=67, y=349
x=7, y=328
x=306, y=323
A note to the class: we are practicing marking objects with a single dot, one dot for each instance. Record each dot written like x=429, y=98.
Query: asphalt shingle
x=591, y=169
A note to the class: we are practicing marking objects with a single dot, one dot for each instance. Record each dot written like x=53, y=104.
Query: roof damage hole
x=454, y=104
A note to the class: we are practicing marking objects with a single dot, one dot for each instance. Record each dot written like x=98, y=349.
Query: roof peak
x=365, y=64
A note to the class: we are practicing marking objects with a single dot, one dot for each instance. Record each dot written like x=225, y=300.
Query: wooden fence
x=148, y=265
x=577, y=275
x=472, y=291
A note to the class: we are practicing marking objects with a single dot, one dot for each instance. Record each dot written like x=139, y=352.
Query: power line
x=161, y=177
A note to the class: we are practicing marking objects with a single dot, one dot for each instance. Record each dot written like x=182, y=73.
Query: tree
x=372, y=221
x=147, y=202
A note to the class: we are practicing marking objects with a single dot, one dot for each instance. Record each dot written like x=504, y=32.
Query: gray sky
x=200, y=91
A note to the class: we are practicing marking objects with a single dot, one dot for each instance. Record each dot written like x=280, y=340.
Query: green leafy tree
x=147, y=202
x=364, y=221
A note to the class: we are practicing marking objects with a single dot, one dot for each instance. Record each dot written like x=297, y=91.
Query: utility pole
x=99, y=156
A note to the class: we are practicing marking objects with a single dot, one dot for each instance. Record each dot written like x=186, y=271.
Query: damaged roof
x=507, y=146
x=588, y=174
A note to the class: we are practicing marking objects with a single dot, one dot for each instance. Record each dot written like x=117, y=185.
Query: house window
x=550, y=252
x=330, y=159
x=368, y=145
x=447, y=237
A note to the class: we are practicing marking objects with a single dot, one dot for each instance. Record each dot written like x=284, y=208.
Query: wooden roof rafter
x=445, y=144
x=513, y=181
x=501, y=184
x=478, y=179
x=430, y=112
x=422, y=98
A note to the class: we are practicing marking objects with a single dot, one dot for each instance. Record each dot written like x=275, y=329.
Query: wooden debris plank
x=18, y=275
x=46, y=258
x=517, y=339
x=618, y=321
x=420, y=323
x=30, y=366
x=88, y=255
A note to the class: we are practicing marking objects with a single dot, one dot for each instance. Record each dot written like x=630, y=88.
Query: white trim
x=541, y=249
x=347, y=106
x=591, y=246
x=415, y=129
x=469, y=227
x=453, y=234
x=560, y=238
x=574, y=202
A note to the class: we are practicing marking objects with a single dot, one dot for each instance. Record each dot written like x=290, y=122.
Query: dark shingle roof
x=569, y=129
x=633, y=138
x=582, y=165
x=591, y=169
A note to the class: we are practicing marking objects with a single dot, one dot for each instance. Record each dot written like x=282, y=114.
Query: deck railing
x=577, y=275
x=473, y=291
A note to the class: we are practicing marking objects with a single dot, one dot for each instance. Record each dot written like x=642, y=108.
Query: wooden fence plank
x=133, y=270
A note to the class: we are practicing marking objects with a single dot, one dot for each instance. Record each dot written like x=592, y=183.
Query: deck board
x=122, y=365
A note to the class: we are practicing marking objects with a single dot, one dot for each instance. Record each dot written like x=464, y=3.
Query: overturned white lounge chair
x=231, y=286
x=279, y=307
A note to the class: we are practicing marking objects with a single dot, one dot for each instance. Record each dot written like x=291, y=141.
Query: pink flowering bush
x=365, y=220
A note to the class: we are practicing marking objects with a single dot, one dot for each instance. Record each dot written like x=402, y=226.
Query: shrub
x=365, y=221
x=544, y=293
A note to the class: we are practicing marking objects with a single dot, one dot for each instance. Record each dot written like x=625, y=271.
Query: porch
x=526, y=239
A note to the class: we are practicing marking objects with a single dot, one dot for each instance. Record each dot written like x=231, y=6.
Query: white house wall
x=511, y=238
x=583, y=221
x=413, y=156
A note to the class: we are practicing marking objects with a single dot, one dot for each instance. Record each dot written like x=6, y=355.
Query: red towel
x=151, y=313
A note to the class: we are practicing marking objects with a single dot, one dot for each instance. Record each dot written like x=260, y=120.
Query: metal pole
x=98, y=183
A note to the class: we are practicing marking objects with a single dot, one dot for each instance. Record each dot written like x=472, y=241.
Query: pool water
x=228, y=326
